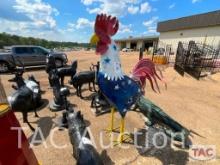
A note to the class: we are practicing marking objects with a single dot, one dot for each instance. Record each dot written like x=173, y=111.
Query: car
x=127, y=50
x=29, y=55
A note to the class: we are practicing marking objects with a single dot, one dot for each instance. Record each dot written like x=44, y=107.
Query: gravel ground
x=193, y=103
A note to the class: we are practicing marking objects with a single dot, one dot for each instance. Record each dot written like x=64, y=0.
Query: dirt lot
x=195, y=104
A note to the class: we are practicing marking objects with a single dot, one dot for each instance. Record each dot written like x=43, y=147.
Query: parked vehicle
x=127, y=50
x=29, y=56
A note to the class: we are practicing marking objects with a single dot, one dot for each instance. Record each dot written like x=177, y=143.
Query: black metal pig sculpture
x=83, y=150
x=27, y=95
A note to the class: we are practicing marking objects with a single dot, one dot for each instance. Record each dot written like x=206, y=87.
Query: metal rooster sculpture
x=121, y=91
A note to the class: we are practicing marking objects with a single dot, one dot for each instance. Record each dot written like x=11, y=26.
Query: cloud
x=13, y=26
x=125, y=28
x=37, y=16
x=172, y=6
x=87, y=2
x=70, y=27
x=83, y=23
x=194, y=1
x=33, y=18
x=133, y=9
x=145, y=8
x=28, y=29
x=56, y=12
x=113, y=7
x=151, y=25
x=9, y=13
x=152, y=29
x=124, y=31
x=150, y=22
x=39, y=12
x=94, y=11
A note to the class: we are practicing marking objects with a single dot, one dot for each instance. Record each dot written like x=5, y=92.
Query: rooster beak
x=94, y=39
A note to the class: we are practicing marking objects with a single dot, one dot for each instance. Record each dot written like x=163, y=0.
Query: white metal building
x=202, y=28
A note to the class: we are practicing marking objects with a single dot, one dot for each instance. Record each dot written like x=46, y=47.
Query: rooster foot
x=110, y=131
x=125, y=138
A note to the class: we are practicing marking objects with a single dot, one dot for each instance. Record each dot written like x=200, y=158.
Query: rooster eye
x=114, y=47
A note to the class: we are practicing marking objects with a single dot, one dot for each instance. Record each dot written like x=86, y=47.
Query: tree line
x=8, y=40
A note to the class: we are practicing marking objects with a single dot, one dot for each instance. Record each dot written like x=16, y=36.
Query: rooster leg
x=111, y=128
x=122, y=130
x=124, y=137
x=112, y=120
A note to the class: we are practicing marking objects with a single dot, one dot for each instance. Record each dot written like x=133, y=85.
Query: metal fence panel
x=196, y=59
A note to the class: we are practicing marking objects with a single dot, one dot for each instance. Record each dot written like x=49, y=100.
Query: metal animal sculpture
x=83, y=150
x=81, y=78
x=27, y=95
x=58, y=103
x=121, y=91
x=67, y=71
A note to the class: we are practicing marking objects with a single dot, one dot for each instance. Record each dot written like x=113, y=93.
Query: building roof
x=154, y=37
x=194, y=21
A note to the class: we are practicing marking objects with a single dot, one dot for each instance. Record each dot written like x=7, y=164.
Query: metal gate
x=193, y=63
x=179, y=65
x=195, y=59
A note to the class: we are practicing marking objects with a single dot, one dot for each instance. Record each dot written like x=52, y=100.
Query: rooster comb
x=105, y=27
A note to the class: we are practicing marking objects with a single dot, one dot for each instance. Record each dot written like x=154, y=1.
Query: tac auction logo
x=202, y=152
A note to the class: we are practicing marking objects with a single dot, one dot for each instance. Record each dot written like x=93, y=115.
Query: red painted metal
x=10, y=153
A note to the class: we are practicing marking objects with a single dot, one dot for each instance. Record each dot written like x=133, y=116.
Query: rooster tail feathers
x=155, y=80
x=161, y=78
x=141, y=74
x=145, y=69
x=151, y=82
